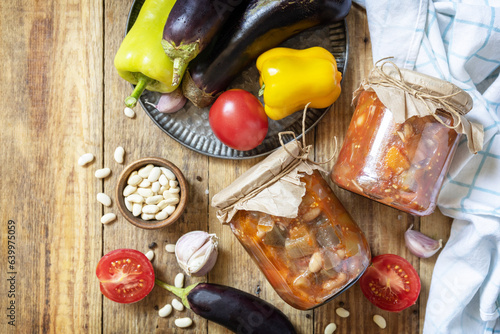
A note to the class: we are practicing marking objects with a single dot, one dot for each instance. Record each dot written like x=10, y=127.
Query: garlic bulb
x=421, y=245
x=196, y=252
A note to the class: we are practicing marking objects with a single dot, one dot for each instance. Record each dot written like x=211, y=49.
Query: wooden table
x=61, y=98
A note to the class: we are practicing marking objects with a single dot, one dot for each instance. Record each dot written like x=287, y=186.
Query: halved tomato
x=390, y=283
x=125, y=275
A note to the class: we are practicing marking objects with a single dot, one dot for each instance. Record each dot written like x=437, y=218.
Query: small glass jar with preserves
x=399, y=153
x=309, y=254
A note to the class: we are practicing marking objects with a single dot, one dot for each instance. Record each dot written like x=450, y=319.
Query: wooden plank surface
x=62, y=98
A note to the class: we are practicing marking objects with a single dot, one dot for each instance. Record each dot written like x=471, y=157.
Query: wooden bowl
x=138, y=221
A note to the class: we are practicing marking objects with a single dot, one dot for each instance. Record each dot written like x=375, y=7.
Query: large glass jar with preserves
x=401, y=158
x=309, y=256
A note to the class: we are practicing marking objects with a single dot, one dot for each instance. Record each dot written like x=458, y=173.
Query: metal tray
x=189, y=126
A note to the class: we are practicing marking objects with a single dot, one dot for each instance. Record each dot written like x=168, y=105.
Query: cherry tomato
x=390, y=283
x=125, y=275
x=238, y=119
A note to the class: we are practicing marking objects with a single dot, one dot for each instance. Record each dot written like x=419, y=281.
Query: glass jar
x=311, y=258
x=401, y=165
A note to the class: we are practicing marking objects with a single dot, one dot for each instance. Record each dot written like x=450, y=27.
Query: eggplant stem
x=182, y=293
x=181, y=55
x=142, y=82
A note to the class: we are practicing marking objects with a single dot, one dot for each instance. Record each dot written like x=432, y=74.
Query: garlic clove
x=189, y=243
x=421, y=245
x=196, y=252
x=203, y=260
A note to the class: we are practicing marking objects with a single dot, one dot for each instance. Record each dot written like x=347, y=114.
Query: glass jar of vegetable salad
x=402, y=138
x=295, y=229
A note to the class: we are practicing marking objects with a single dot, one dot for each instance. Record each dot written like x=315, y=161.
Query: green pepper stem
x=261, y=90
x=182, y=293
x=131, y=101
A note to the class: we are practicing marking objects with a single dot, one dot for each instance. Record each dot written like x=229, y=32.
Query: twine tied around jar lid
x=303, y=148
x=282, y=171
x=408, y=93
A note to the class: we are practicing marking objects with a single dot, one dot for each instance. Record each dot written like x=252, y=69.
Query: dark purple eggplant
x=190, y=26
x=234, y=309
x=263, y=25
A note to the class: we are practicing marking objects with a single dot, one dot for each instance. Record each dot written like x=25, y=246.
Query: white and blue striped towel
x=458, y=41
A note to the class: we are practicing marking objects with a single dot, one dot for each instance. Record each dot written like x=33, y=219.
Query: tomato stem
x=182, y=293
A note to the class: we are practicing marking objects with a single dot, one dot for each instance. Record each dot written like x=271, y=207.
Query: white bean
x=176, y=304
x=173, y=184
x=129, y=190
x=167, y=195
x=147, y=216
x=136, y=209
x=162, y=204
x=170, y=209
x=150, y=255
x=102, y=173
x=104, y=199
x=119, y=154
x=155, y=174
x=316, y=262
x=108, y=218
x=183, y=322
x=332, y=327
x=154, y=200
x=135, y=198
x=144, y=171
x=128, y=205
x=170, y=248
x=156, y=187
x=172, y=201
x=85, y=159
x=151, y=209
x=342, y=312
x=179, y=280
x=165, y=311
x=145, y=192
x=161, y=215
x=144, y=183
x=380, y=321
x=168, y=173
x=163, y=180
x=129, y=112
x=134, y=180
x=175, y=190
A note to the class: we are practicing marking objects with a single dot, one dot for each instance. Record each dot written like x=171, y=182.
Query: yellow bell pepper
x=293, y=78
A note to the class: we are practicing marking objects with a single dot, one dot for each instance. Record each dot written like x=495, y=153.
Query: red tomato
x=390, y=283
x=238, y=119
x=126, y=275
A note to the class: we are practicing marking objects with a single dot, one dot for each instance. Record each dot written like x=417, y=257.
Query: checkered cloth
x=458, y=41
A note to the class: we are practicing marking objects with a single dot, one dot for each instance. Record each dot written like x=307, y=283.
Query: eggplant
x=234, y=309
x=190, y=26
x=263, y=25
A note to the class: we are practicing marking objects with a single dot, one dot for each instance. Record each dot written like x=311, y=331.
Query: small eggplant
x=263, y=25
x=234, y=309
x=190, y=26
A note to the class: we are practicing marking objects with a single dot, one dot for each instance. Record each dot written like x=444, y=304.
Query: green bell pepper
x=141, y=59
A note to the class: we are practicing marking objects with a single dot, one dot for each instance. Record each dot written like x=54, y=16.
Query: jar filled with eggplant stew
x=296, y=230
x=402, y=137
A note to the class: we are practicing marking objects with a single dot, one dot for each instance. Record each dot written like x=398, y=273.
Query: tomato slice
x=125, y=275
x=390, y=283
